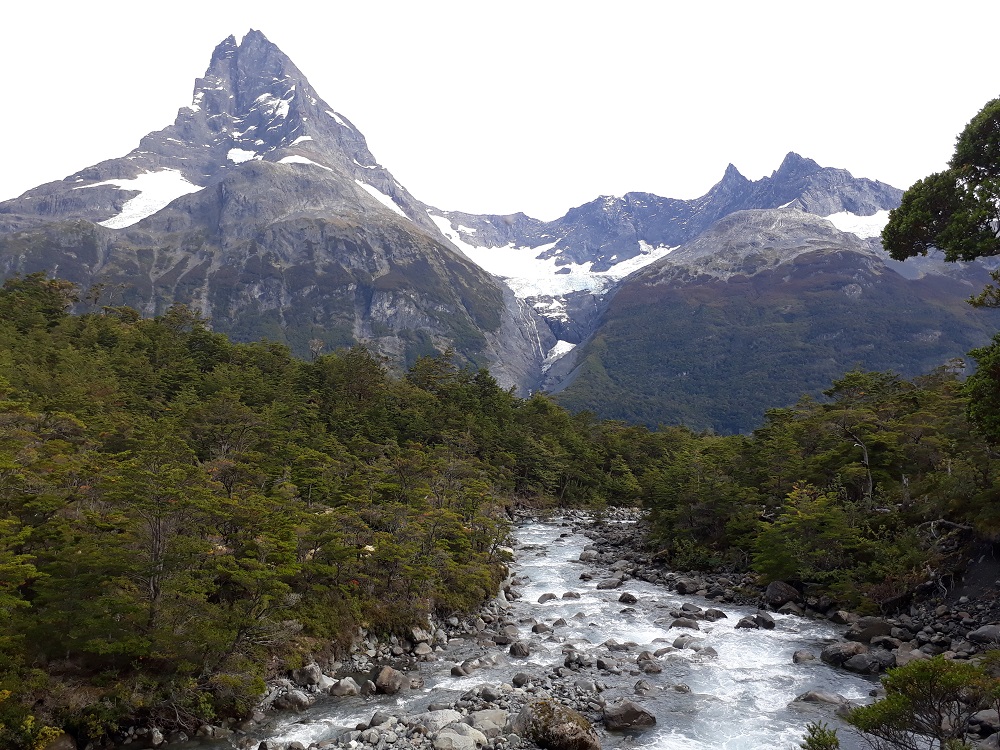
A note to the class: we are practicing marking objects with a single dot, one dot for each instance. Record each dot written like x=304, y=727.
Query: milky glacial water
x=742, y=700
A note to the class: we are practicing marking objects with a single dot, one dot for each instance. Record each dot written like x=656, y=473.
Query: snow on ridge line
x=156, y=191
x=863, y=226
x=530, y=276
x=382, y=198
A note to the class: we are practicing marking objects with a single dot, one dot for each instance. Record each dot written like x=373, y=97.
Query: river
x=741, y=700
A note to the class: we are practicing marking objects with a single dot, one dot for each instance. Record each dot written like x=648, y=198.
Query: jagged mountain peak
x=253, y=103
x=794, y=165
x=732, y=174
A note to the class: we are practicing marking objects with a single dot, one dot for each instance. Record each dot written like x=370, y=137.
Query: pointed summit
x=793, y=166
x=733, y=176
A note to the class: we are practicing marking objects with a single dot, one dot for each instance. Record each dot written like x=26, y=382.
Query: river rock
x=715, y=614
x=747, y=623
x=764, y=620
x=821, y=696
x=556, y=727
x=390, y=681
x=802, y=656
x=779, y=592
x=985, y=635
x=546, y=598
x=867, y=628
x=571, y=595
x=627, y=598
x=489, y=721
x=423, y=649
x=293, y=700
x=841, y=617
x=588, y=555
x=687, y=586
x=685, y=622
x=627, y=715
x=541, y=627
x=869, y=663
x=465, y=730
x=610, y=583
x=435, y=721
x=451, y=740
x=837, y=653
x=308, y=675
x=790, y=608
x=520, y=649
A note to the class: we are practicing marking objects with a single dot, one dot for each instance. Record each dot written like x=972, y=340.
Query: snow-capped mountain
x=262, y=206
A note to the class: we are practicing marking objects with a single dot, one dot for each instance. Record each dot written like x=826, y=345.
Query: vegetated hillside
x=182, y=516
x=713, y=339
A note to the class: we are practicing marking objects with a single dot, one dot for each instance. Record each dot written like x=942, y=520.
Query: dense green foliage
x=856, y=496
x=178, y=512
x=713, y=354
x=927, y=706
x=955, y=211
x=181, y=516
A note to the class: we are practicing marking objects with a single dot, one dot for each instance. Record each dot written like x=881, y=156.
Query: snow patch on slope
x=382, y=198
x=863, y=226
x=557, y=352
x=529, y=275
x=240, y=155
x=156, y=190
x=296, y=159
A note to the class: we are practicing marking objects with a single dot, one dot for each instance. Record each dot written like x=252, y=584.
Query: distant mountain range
x=262, y=206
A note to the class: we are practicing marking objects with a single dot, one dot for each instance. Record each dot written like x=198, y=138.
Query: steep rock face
x=263, y=207
x=763, y=307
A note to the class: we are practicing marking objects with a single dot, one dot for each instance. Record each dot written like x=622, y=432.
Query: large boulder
x=450, y=740
x=747, y=623
x=610, y=583
x=802, y=656
x=867, y=628
x=490, y=721
x=554, y=726
x=822, y=696
x=346, y=686
x=390, y=681
x=435, y=721
x=308, y=675
x=837, y=653
x=985, y=634
x=779, y=592
x=873, y=662
x=627, y=715
x=685, y=622
x=764, y=620
x=520, y=649
x=687, y=586
x=466, y=731
x=293, y=700
x=546, y=598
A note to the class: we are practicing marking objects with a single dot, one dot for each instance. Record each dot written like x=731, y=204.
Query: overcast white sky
x=527, y=106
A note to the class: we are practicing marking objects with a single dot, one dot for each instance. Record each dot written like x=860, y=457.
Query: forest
x=183, y=516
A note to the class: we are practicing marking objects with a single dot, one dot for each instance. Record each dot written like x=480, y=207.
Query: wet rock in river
x=627, y=715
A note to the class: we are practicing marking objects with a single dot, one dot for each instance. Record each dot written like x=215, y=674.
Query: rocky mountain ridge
x=263, y=207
